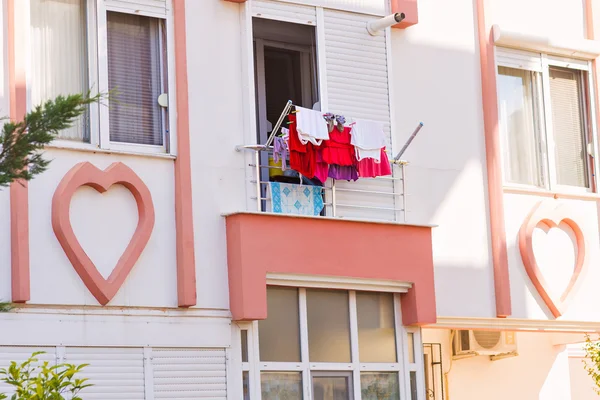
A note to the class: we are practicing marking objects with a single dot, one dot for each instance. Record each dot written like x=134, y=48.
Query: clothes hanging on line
x=368, y=139
x=369, y=168
x=280, y=152
x=338, y=156
x=311, y=126
x=303, y=156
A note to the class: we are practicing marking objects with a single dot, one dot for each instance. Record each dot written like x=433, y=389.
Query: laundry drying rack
x=332, y=189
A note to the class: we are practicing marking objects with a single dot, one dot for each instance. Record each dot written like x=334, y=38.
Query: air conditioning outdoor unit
x=495, y=344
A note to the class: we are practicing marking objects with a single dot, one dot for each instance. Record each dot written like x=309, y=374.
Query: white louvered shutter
x=20, y=354
x=288, y=12
x=519, y=59
x=149, y=8
x=189, y=374
x=357, y=86
x=568, y=127
x=115, y=373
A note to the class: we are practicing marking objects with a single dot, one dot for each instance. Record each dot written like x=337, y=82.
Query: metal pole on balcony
x=404, y=190
x=257, y=170
x=333, y=198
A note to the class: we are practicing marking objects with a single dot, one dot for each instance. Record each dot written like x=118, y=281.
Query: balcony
x=361, y=235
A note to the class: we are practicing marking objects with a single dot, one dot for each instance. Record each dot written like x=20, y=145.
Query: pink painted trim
x=493, y=162
x=410, y=10
x=86, y=174
x=184, y=221
x=590, y=33
x=552, y=215
x=19, y=196
x=326, y=247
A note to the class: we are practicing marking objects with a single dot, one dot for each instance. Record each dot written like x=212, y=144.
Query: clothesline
x=286, y=110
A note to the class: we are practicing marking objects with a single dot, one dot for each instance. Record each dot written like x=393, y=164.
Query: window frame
x=97, y=60
x=544, y=120
x=402, y=366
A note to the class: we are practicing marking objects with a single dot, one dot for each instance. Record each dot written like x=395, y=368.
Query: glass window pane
x=134, y=77
x=279, y=334
x=411, y=347
x=568, y=127
x=244, y=345
x=281, y=385
x=379, y=386
x=413, y=386
x=519, y=127
x=376, y=333
x=59, y=55
x=246, y=384
x=331, y=387
x=328, y=325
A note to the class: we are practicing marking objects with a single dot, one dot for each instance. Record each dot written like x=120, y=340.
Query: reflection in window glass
x=519, y=127
x=246, y=384
x=411, y=347
x=279, y=334
x=413, y=386
x=244, y=345
x=328, y=325
x=376, y=334
x=331, y=387
x=281, y=385
x=379, y=386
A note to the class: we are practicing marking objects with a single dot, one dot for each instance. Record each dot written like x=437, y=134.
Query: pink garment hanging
x=369, y=168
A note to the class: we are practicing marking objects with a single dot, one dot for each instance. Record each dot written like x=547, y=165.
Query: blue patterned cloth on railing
x=287, y=198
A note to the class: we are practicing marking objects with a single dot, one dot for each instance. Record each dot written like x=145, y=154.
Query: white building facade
x=150, y=248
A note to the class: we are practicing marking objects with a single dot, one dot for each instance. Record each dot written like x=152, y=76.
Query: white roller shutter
x=288, y=12
x=150, y=8
x=116, y=373
x=189, y=374
x=357, y=86
x=20, y=354
x=520, y=59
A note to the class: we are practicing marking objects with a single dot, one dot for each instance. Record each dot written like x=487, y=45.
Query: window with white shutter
x=134, y=76
x=544, y=113
x=568, y=127
x=116, y=47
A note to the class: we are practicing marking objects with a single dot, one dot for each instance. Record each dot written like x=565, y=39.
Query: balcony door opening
x=285, y=69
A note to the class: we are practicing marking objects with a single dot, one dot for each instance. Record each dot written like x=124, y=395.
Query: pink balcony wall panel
x=258, y=244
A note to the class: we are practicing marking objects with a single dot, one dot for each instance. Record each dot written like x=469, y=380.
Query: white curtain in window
x=519, y=126
x=568, y=127
x=59, y=55
x=134, y=76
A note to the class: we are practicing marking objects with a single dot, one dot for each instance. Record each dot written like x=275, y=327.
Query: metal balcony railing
x=339, y=196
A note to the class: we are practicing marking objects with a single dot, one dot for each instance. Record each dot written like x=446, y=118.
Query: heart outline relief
x=86, y=174
x=551, y=214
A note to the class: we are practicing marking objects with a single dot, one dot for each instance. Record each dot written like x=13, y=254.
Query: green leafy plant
x=32, y=380
x=21, y=142
x=592, y=361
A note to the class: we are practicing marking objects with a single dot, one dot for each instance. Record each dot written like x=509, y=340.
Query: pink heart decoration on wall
x=86, y=174
x=552, y=215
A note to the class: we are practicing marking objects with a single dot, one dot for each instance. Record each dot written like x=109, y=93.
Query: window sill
x=90, y=148
x=552, y=193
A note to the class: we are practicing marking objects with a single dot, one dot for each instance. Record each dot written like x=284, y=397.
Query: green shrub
x=32, y=380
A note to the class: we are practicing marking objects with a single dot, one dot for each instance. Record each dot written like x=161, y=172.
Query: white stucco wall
x=436, y=80
x=540, y=371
